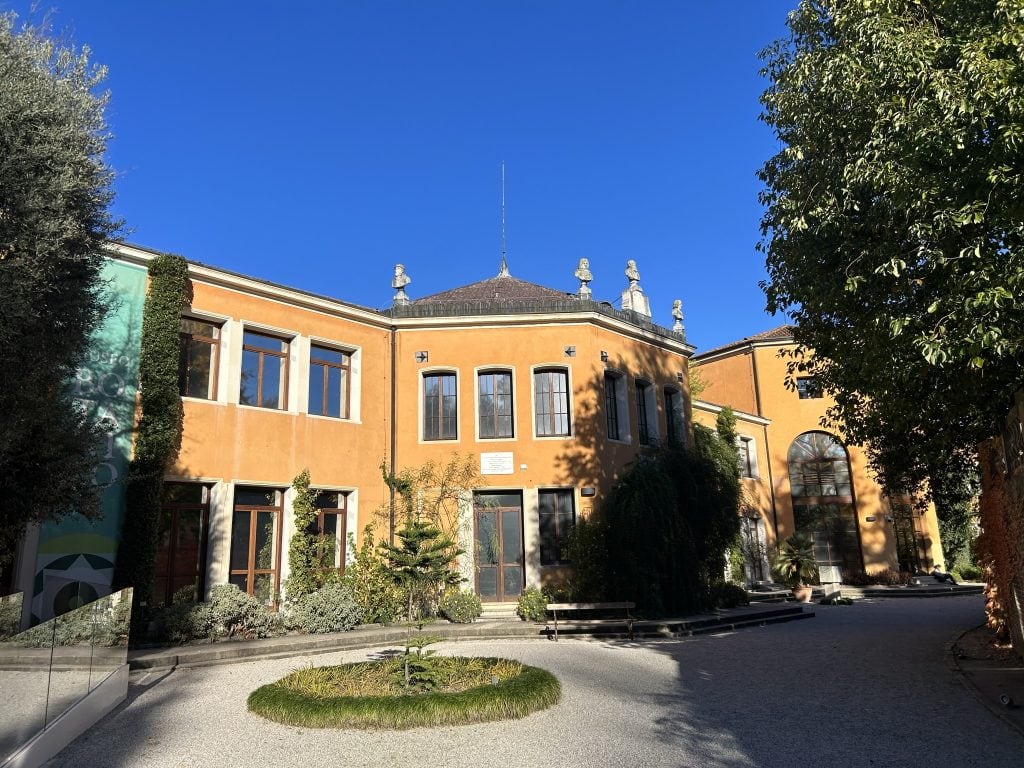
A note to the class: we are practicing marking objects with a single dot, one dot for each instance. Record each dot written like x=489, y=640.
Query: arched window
x=819, y=477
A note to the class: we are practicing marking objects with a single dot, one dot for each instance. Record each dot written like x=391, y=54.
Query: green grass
x=290, y=703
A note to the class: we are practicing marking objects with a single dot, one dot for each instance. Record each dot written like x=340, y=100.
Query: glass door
x=498, y=532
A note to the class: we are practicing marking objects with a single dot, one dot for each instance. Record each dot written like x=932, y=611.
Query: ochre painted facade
x=750, y=376
x=234, y=451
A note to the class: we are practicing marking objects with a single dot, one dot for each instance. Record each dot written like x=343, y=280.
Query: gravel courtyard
x=862, y=685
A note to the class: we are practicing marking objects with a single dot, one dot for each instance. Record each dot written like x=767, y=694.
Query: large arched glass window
x=819, y=477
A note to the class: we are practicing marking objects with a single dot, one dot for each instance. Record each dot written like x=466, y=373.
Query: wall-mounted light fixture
x=679, y=376
x=422, y=356
x=588, y=491
x=570, y=351
x=604, y=356
x=870, y=519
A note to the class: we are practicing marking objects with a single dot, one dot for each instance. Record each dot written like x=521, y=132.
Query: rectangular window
x=551, y=400
x=611, y=402
x=255, y=560
x=440, y=407
x=557, y=518
x=642, y=423
x=745, y=456
x=181, y=541
x=329, y=375
x=197, y=362
x=495, y=389
x=330, y=530
x=674, y=419
x=808, y=388
x=264, y=371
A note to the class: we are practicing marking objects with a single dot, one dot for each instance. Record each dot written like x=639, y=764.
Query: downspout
x=767, y=448
x=394, y=441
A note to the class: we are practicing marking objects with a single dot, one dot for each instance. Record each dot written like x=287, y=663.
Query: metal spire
x=503, y=270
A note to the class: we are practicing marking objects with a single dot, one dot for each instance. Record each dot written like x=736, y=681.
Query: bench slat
x=587, y=606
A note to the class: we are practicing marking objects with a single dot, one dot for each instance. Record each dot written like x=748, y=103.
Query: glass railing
x=45, y=670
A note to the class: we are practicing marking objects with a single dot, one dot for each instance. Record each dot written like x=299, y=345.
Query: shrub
x=331, y=608
x=970, y=573
x=531, y=606
x=725, y=594
x=380, y=600
x=461, y=607
x=233, y=613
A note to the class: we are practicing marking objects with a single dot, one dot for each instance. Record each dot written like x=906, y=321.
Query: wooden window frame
x=185, y=340
x=611, y=403
x=439, y=415
x=285, y=355
x=204, y=527
x=494, y=414
x=808, y=388
x=251, y=572
x=643, y=429
x=342, y=514
x=346, y=372
x=557, y=493
x=675, y=432
x=549, y=418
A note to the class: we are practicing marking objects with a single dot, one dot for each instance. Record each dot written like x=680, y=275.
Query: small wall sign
x=497, y=463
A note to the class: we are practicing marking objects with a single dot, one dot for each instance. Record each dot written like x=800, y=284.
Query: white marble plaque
x=497, y=463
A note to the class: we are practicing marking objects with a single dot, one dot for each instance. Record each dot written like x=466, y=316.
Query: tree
x=55, y=190
x=421, y=562
x=893, y=221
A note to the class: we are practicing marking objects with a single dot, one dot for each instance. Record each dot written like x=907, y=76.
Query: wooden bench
x=577, y=607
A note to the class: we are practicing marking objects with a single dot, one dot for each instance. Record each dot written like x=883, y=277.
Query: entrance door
x=498, y=537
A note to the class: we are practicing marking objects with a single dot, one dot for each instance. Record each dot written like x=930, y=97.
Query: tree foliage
x=55, y=190
x=894, y=217
x=661, y=536
x=421, y=562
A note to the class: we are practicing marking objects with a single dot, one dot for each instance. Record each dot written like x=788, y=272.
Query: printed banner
x=75, y=558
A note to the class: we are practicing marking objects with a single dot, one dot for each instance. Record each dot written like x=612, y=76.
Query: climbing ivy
x=158, y=434
x=308, y=570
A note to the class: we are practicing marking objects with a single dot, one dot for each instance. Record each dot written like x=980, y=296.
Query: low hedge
x=532, y=690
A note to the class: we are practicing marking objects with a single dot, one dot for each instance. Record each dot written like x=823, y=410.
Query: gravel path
x=864, y=685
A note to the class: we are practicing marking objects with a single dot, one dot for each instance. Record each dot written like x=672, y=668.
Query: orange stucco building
x=552, y=392
x=800, y=477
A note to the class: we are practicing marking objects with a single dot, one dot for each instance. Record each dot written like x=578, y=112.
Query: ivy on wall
x=307, y=551
x=158, y=434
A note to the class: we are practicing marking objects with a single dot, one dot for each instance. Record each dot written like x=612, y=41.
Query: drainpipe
x=394, y=440
x=767, y=448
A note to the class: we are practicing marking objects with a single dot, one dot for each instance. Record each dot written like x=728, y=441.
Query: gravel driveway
x=862, y=685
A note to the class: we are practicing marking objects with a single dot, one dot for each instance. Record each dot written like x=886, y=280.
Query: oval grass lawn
x=337, y=697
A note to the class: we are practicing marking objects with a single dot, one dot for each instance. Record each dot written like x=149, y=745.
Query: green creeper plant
x=158, y=435
x=308, y=570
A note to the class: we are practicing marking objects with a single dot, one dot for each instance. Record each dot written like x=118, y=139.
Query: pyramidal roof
x=500, y=288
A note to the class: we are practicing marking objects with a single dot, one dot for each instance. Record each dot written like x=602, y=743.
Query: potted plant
x=796, y=565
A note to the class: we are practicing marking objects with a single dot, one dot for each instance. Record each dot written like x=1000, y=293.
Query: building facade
x=801, y=477
x=550, y=392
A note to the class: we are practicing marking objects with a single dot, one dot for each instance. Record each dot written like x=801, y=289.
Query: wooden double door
x=498, y=540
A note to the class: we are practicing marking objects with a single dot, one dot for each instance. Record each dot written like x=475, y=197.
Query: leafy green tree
x=661, y=536
x=893, y=221
x=55, y=190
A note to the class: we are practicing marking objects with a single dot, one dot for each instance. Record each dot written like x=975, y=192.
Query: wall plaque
x=496, y=463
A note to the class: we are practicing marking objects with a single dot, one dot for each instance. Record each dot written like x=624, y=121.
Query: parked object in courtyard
x=941, y=576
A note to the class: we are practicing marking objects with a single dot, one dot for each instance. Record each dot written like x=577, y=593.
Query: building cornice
x=702, y=405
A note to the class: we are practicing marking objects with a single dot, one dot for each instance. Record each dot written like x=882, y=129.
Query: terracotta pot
x=802, y=593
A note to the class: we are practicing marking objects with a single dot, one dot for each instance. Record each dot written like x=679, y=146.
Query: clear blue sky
x=318, y=144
